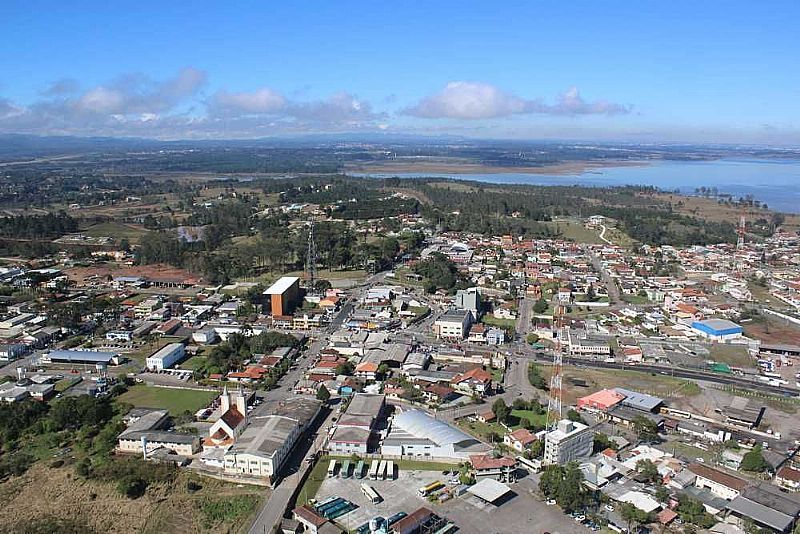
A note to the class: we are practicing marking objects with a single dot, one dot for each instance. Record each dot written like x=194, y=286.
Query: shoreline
x=562, y=169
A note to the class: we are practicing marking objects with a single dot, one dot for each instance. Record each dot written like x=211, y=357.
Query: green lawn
x=497, y=375
x=535, y=418
x=636, y=299
x=176, y=401
x=481, y=430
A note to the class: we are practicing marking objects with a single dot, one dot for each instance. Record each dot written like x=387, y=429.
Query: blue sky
x=633, y=71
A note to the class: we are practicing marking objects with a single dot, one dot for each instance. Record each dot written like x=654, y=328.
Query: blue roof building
x=718, y=329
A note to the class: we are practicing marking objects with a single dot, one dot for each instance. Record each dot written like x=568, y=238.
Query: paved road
x=275, y=507
x=523, y=325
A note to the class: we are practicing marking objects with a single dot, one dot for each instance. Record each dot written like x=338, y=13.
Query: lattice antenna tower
x=554, y=405
x=740, y=232
x=311, y=259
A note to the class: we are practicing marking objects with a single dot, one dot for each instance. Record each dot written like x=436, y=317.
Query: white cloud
x=469, y=101
x=477, y=100
x=339, y=108
x=264, y=100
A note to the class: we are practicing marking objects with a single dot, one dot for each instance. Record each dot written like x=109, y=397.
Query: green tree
x=574, y=416
x=532, y=338
x=633, y=516
x=323, y=394
x=345, y=368
x=540, y=306
x=601, y=443
x=501, y=410
x=645, y=428
x=648, y=470
x=535, y=376
x=754, y=461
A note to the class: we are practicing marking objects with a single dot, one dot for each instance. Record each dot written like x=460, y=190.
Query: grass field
x=575, y=231
x=176, y=401
x=133, y=233
x=49, y=492
x=734, y=355
x=658, y=385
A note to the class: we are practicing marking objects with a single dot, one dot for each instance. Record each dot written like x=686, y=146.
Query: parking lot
x=399, y=495
x=521, y=513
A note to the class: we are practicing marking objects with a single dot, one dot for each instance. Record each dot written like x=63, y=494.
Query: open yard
x=132, y=232
x=47, y=496
x=773, y=330
x=176, y=401
x=658, y=385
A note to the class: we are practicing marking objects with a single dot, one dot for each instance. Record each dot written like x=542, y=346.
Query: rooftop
x=281, y=285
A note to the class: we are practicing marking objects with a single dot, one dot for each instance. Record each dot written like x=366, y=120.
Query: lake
x=775, y=182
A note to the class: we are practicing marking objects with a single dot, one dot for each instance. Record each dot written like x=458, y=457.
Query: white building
x=166, y=357
x=569, y=441
x=453, y=324
x=261, y=450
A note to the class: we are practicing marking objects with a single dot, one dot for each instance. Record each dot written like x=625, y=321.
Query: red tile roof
x=720, y=477
x=486, y=461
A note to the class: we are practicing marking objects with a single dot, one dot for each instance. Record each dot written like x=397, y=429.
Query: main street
x=295, y=467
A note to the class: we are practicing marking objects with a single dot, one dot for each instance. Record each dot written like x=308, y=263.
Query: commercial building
x=91, y=357
x=357, y=424
x=145, y=431
x=284, y=295
x=569, y=441
x=718, y=329
x=469, y=300
x=415, y=434
x=166, y=357
x=261, y=450
x=453, y=325
x=601, y=401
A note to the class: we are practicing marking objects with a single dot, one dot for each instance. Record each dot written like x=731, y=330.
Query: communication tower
x=554, y=409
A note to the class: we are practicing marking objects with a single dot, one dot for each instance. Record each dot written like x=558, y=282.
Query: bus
x=344, y=472
x=430, y=488
x=534, y=466
x=382, y=470
x=359, y=472
x=332, y=468
x=390, y=470
x=370, y=493
x=373, y=470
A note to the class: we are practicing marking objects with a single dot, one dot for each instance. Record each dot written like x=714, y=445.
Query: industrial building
x=145, y=432
x=416, y=434
x=356, y=426
x=91, y=357
x=569, y=441
x=261, y=450
x=718, y=329
x=166, y=357
x=284, y=295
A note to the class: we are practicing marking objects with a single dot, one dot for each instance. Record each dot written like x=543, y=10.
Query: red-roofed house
x=788, y=478
x=231, y=423
x=520, y=439
x=367, y=370
x=486, y=465
x=473, y=381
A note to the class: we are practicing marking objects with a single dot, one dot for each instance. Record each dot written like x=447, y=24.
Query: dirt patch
x=773, y=330
x=155, y=272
